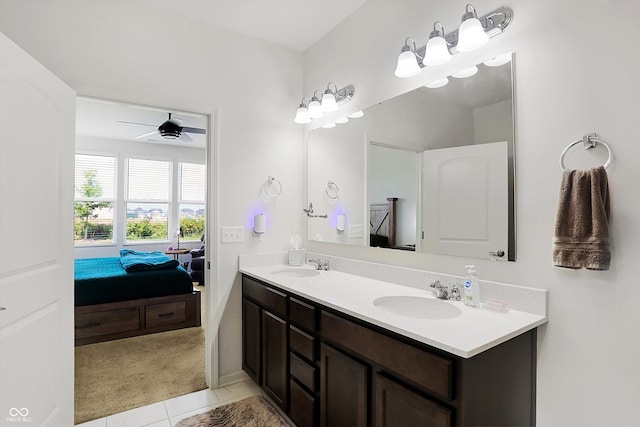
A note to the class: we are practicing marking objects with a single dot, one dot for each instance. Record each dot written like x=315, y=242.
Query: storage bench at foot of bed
x=115, y=320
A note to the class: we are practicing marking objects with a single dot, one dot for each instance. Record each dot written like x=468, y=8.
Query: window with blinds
x=191, y=194
x=94, y=199
x=148, y=184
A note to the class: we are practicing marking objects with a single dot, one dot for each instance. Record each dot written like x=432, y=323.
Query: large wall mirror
x=431, y=170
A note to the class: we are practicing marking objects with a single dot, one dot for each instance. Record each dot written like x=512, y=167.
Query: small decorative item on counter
x=471, y=288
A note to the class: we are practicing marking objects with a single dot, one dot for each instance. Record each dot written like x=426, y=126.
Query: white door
x=465, y=201
x=37, y=140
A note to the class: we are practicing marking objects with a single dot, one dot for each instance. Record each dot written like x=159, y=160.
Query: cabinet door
x=275, y=352
x=396, y=405
x=343, y=389
x=251, y=343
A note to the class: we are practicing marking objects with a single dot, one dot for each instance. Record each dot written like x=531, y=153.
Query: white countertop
x=472, y=332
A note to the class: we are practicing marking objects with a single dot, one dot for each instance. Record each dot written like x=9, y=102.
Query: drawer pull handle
x=166, y=314
x=88, y=325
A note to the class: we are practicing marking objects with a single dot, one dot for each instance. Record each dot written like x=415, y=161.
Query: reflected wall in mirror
x=430, y=170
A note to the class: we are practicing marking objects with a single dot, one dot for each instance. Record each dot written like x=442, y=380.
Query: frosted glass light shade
x=471, y=35
x=437, y=83
x=302, y=116
x=437, y=52
x=498, y=60
x=329, y=102
x=356, y=114
x=315, y=109
x=329, y=125
x=342, y=120
x=466, y=72
x=407, y=65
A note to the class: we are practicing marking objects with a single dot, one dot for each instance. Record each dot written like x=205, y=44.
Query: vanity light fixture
x=437, y=51
x=329, y=125
x=342, y=120
x=327, y=101
x=473, y=33
x=408, y=61
x=302, y=114
x=356, y=114
x=315, y=108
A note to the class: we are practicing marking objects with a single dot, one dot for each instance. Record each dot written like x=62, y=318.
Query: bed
x=383, y=222
x=116, y=300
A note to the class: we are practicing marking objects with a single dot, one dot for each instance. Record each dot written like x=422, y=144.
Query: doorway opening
x=141, y=186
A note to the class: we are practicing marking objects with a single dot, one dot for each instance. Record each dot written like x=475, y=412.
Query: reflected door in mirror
x=465, y=200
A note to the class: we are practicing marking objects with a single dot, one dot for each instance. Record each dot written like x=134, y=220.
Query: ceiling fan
x=170, y=129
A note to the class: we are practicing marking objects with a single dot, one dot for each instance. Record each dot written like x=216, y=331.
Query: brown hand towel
x=582, y=222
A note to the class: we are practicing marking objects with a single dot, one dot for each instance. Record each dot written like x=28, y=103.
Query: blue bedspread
x=144, y=261
x=104, y=280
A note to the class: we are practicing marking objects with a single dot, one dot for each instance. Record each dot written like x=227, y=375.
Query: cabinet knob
x=498, y=253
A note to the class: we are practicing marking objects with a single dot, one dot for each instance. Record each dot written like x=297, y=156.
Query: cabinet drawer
x=303, y=372
x=303, y=406
x=302, y=342
x=165, y=314
x=107, y=322
x=421, y=367
x=265, y=296
x=303, y=314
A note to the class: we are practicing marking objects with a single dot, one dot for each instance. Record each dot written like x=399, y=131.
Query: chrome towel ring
x=272, y=187
x=590, y=141
x=332, y=191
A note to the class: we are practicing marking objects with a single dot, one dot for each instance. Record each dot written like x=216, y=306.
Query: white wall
x=574, y=74
x=134, y=52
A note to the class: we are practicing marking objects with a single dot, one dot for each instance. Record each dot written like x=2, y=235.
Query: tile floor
x=169, y=412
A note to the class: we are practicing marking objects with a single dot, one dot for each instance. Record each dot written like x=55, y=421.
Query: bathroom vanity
x=329, y=357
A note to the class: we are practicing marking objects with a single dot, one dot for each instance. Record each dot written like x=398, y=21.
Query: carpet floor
x=116, y=376
x=250, y=412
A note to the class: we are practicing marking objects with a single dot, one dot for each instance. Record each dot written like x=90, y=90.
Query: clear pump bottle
x=471, y=288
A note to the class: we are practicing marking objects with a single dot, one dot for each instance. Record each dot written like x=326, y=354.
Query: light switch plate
x=356, y=230
x=232, y=234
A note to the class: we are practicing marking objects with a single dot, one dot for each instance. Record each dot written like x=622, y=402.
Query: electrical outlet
x=232, y=234
x=356, y=231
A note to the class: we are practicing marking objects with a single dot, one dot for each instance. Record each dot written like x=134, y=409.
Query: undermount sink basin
x=418, y=307
x=295, y=272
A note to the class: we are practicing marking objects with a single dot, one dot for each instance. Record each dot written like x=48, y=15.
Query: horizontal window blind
x=148, y=179
x=95, y=177
x=192, y=182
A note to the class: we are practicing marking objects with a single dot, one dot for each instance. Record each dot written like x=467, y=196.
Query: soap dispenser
x=471, y=288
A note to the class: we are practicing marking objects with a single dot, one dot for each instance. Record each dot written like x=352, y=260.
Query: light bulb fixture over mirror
x=323, y=102
x=437, y=50
x=473, y=33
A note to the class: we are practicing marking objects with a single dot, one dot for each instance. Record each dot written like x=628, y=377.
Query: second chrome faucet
x=442, y=292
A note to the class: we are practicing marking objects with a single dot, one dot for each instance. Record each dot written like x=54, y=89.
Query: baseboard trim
x=233, y=378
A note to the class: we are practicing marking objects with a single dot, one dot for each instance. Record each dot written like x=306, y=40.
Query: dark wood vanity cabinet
x=327, y=369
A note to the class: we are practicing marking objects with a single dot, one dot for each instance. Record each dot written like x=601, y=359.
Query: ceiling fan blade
x=194, y=130
x=148, y=134
x=134, y=123
x=185, y=138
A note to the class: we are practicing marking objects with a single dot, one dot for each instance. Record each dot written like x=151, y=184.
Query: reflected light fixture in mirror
x=328, y=101
x=437, y=83
x=465, y=72
x=473, y=33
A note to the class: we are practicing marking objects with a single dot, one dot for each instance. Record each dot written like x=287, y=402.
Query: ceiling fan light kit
x=171, y=129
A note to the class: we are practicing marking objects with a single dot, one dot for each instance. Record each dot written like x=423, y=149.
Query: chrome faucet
x=442, y=292
x=320, y=264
